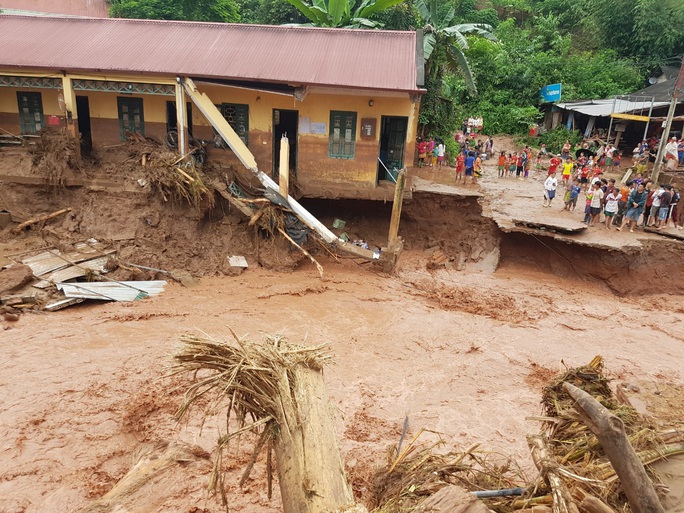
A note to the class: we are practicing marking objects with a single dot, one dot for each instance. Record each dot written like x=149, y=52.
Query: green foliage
x=450, y=40
x=195, y=10
x=403, y=16
x=555, y=139
x=342, y=13
x=269, y=12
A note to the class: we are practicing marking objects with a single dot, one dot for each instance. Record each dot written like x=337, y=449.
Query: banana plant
x=439, y=31
x=342, y=13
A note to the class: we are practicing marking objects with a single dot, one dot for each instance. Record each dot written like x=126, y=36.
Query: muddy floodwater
x=462, y=354
x=479, y=314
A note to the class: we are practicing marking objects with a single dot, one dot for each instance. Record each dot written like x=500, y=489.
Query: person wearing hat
x=671, y=156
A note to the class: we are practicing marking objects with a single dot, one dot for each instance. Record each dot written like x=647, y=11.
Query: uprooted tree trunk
x=610, y=431
x=280, y=387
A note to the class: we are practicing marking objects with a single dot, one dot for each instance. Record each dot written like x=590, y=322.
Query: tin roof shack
x=347, y=100
x=634, y=117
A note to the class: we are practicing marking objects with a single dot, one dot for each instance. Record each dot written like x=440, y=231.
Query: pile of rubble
x=53, y=278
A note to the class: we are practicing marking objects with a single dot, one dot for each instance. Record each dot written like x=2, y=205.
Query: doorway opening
x=285, y=122
x=172, y=117
x=83, y=117
x=392, y=143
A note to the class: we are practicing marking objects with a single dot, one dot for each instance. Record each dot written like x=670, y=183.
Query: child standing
x=430, y=149
x=422, y=152
x=460, y=167
x=568, y=164
x=512, y=163
x=440, y=154
x=502, y=164
x=538, y=164
x=550, y=189
x=612, y=199
x=596, y=201
x=572, y=195
x=477, y=168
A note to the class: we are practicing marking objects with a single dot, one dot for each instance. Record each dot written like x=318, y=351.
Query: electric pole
x=668, y=124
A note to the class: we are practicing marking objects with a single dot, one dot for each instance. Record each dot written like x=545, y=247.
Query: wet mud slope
x=654, y=269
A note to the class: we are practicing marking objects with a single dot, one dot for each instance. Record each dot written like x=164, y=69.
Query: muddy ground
x=464, y=353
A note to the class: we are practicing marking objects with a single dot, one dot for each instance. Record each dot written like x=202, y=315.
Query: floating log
x=610, y=430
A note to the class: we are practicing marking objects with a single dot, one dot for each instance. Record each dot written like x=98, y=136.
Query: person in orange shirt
x=460, y=167
x=502, y=164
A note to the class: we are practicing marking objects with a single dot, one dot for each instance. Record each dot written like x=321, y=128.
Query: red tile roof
x=367, y=59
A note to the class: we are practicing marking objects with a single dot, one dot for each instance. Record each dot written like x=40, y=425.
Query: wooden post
x=610, y=432
x=668, y=124
x=70, y=111
x=396, y=209
x=310, y=470
x=181, y=119
x=284, y=169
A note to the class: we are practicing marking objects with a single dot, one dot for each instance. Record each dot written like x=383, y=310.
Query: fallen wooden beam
x=610, y=431
x=40, y=219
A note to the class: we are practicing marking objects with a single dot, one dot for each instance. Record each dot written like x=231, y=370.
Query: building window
x=342, y=134
x=130, y=116
x=30, y=112
x=237, y=116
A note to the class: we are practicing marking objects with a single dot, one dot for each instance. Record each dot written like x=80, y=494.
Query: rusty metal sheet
x=357, y=58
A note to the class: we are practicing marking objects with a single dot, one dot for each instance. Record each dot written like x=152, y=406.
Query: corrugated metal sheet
x=368, y=59
x=605, y=107
x=112, y=290
x=54, y=260
x=72, y=272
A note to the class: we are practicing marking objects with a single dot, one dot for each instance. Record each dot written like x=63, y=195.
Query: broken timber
x=213, y=115
x=40, y=219
x=610, y=431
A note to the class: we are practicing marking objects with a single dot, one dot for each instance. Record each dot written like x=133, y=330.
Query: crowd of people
x=637, y=202
x=579, y=173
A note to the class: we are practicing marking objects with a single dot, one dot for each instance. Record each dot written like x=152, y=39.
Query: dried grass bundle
x=54, y=155
x=419, y=471
x=246, y=379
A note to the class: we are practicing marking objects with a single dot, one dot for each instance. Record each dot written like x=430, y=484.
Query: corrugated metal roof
x=367, y=59
x=607, y=107
x=113, y=290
